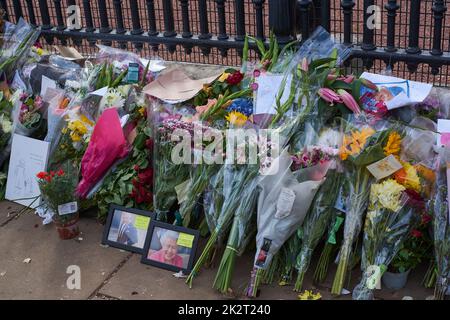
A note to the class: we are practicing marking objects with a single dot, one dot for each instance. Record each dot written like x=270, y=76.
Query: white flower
x=73, y=84
x=330, y=138
x=6, y=124
x=124, y=90
x=112, y=98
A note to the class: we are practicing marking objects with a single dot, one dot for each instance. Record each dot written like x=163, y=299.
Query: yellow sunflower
x=354, y=143
x=236, y=118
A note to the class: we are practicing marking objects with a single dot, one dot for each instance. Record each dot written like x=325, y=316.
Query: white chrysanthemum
x=330, y=138
x=6, y=124
x=112, y=98
x=124, y=90
x=73, y=84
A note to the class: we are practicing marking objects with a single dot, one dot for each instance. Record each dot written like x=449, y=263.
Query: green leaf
x=319, y=62
x=339, y=84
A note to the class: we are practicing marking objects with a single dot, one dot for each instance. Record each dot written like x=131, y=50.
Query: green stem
x=201, y=261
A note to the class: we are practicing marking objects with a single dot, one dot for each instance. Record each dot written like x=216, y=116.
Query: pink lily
x=304, y=65
x=349, y=101
x=347, y=79
x=331, y=77
x=329, y=95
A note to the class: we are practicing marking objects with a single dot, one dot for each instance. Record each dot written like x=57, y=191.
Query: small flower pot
x=69, y=229
x=395, y=281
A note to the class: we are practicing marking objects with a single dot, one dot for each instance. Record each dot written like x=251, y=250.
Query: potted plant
x=58, y=191
x=415, y=249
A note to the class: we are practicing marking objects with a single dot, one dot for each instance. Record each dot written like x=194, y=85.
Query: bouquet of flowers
x=284, y=199
x=130, y=183
x=441, y=226
x=58, y=191
x=316, y=222
x=28, y=113
x=16, y=46
x=364, y=143
x=388, y=223
x=170, y=173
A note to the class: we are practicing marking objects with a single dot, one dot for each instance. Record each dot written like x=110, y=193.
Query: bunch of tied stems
x=384, y=232
x=441, y=230
x=358, y=198
x=236, y=179
x=240, y=233
x=330, y=246
x=316, y=223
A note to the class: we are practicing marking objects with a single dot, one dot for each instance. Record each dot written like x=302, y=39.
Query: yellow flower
x=207, y=89
x=393, y=144
x=354, y=143
x=75, y=136
x=85, y=119
x=64, y=130
x=236, y=118
x=387, y=194
x=141, y=111
x=309, y=295
x=39, y=51
x=223, y=77
x=408, y=177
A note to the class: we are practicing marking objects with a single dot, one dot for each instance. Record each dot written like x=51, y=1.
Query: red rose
x=149, y=143
x=415, y=200
x=146, y=176
x=235, y=78
x=41, y=175
x=416, y=234
x=60, y=173
x=426, y=218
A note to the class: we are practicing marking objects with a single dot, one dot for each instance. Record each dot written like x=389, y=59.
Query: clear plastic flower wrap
x=283, y=201
x=172, y=156
x=17, y=43
x=388, y=223
x=366, y=141
x=441, y=225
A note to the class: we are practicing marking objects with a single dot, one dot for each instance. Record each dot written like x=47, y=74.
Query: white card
x=443, y=128
x=268, y=89
x=285, y=203
x=28, y=158
x=47, y=83
x=384, y=167
x=67, y=208
x=100, y=92
x=155, y=65
x=399, y=92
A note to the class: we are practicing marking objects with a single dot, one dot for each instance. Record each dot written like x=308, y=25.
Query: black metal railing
x=413, y=38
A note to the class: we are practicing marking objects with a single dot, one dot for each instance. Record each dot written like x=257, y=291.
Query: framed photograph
x=170, y=247
x=127, y=228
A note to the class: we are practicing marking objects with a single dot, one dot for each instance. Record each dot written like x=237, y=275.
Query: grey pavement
x=108, y=273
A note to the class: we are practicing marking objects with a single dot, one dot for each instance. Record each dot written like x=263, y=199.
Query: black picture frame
x=112, y=209
x=158, y=224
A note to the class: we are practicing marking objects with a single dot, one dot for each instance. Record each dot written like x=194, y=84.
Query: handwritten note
x=142, y=222
x=185, y=240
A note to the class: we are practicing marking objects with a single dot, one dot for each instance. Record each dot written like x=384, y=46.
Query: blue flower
x=242, y=105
